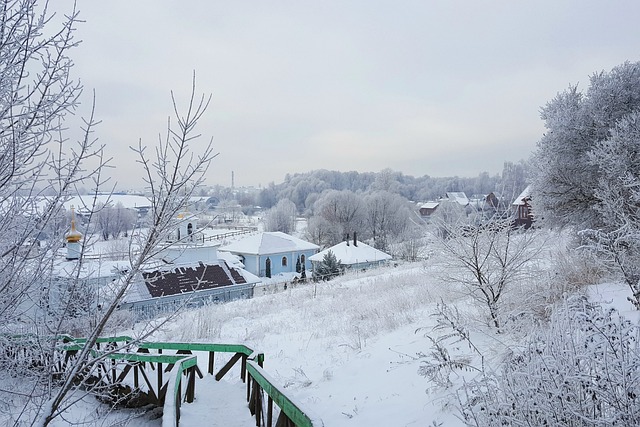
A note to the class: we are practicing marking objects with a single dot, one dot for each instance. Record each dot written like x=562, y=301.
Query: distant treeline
x=303, y=189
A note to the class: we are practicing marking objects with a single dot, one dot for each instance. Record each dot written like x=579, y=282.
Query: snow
x=269, y=243
x=348, y=350
x=348, y=254
x=346, y=355
x=430, y=205
x=129, y=201
x=614, y=295
x=521, y=199
x=90, y=268
x=229, y=407
x=458, y=196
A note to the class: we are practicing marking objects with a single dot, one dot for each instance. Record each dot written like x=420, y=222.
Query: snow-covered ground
x=346, y=349
x=350, y=350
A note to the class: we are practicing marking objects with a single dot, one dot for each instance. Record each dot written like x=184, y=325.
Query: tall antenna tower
x=233, y=184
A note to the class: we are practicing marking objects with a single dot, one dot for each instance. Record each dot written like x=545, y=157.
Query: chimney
x=355, y=241
x=347, y=239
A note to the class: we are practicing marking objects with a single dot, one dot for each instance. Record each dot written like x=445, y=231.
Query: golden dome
x=73, y=235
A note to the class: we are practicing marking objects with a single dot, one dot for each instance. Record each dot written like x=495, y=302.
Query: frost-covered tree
x=617, y=240
x=322, y=232
x=344, y=210
x=566, y=181
x=485, y=259
x=589, y=167
x=40, y=167
x=447, y=219
x=412, y=245
x=37, y=93
x=171, y=176
x=267, y=198
x=386, y=217
x=281, y=217
x=114, y=221
x=514, y=180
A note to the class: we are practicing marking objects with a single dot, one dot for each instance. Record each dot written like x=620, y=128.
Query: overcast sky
x=436, y=88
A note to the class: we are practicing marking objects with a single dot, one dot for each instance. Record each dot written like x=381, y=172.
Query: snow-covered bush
x=560, y=272
x=581, y=370
x=446, y=356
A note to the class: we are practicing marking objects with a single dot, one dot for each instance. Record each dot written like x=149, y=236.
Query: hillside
x=351, y=349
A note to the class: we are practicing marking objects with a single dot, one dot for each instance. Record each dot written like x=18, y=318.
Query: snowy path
x=217, y=403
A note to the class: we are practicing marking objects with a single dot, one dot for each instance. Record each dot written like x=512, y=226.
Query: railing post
x=252, y=399
x=191, y=384
x=178, y=402
x=243, y=371
x=136, y=382
x=248, y=390
x=258, y=393
x=211, y=356
x=159, y=366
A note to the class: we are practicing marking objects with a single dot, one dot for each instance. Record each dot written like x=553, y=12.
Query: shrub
x=583, y=370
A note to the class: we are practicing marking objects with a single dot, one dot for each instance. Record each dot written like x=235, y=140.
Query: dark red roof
x=190, y=278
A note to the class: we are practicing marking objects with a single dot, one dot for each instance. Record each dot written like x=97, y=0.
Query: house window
x=284, y=261
x=189, y=228
x=302, y=259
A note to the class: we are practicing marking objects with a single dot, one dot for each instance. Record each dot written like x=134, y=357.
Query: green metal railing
x=290, y=412
x=183, y=363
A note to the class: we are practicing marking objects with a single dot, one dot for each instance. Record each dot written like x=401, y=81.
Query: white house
x=354, y=254
x=274, y=252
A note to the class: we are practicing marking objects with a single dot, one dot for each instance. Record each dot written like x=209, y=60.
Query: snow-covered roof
x=90, y=269
x=520, y=200
x=185, y=278
x=129, y=201
x=459, y=197
x=348, y=254
x=429, y=205
x=231, y=259
x=265, y=243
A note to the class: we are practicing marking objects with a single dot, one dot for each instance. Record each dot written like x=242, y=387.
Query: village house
x=188, y=272
x=523, y=215
x=353, y=255
x=457, y=196
x=428, y=208
x=267, y=254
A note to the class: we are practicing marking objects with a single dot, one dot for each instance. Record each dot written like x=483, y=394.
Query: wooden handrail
x=184, y=361
x=286, y=404
x=172, y=406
